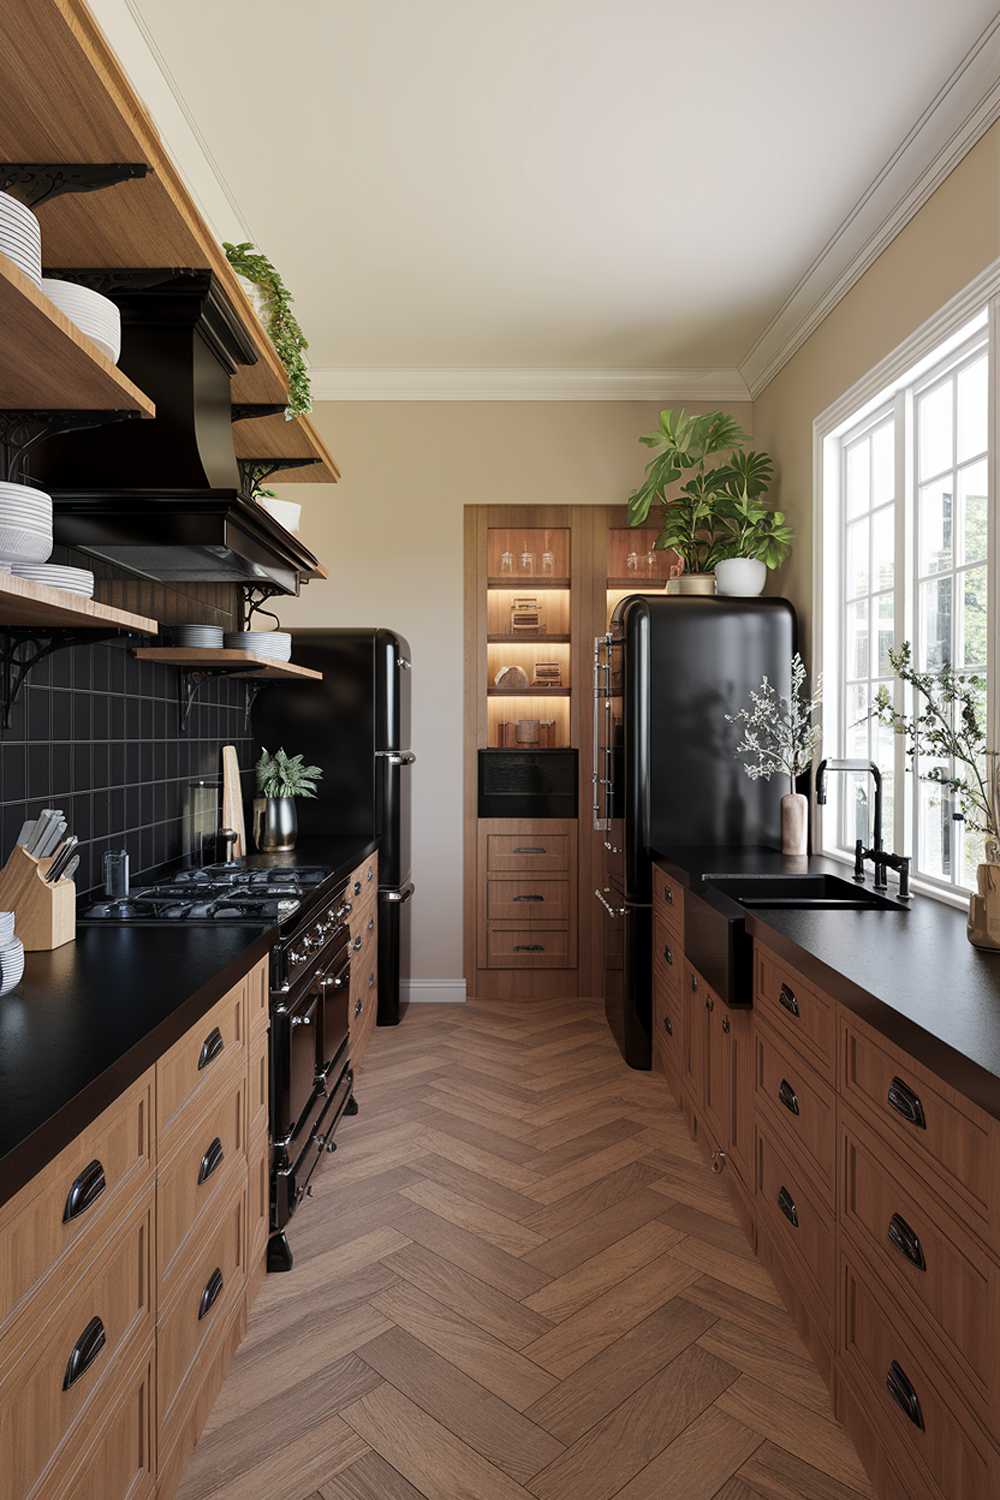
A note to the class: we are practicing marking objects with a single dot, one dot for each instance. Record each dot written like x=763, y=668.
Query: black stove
x=234, y=892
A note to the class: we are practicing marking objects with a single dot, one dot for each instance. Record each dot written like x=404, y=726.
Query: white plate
x=33, y=272
x=6, y=925
x=23, y=491
x=18, y=545
x=77, y=580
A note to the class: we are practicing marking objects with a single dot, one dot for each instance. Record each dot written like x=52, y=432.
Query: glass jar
x=527, y=563
x=548, y=562
x=632, y=563
x=506, y=562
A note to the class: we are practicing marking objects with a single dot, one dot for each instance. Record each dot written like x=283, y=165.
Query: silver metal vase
x=275, y=824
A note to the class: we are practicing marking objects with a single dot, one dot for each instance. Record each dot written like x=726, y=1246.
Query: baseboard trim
x=434, y=991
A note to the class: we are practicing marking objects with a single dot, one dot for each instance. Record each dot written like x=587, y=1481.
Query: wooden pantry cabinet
x=126, y=1267
x=870, y=1189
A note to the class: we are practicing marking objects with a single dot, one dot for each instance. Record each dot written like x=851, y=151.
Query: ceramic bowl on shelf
x=72, y=580
x=21, y=237
x=94, y=314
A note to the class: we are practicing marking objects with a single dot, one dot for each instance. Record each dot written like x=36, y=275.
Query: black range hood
x=163, y=497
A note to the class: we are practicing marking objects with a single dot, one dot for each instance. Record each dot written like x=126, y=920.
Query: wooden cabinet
x=799, y=1106
x=119, y=1463
x=362, y=1011
x=796, y=1012
x=188, y=1073
x=527, y=881
x=199, y=1175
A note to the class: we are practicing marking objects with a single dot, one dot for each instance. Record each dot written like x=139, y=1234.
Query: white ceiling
x=558, y=184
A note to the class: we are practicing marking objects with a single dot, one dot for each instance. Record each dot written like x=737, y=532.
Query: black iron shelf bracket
x=21, y=430
x=23, y=647
x=192, y=679
x=257, y=471
x=255, y=596
x=36, y=182
x=246, y=411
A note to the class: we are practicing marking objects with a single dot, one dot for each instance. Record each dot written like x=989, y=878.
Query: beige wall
x=391, y=536
x=953, y=237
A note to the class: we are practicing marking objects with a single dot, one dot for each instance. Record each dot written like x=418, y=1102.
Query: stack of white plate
x=11, y=964
x=95, y=315
x=21, y=237
x=273, y=645
x=25, y=524
x=6, y=927
x=202, y=637
x=74, y=580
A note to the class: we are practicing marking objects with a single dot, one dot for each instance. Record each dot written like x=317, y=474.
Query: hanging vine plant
x=279, y=319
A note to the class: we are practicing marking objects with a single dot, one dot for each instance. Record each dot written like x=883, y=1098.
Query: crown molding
x=511, y=384
x=959, y=115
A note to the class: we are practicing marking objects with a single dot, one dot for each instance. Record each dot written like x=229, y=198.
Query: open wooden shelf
x=528, y=584
x=46, y=363
x=92, y=114
x=638, y=584
x=529, y=692
x=24, y=603
x=273, y=437
x=526, y=638
x=222, y=657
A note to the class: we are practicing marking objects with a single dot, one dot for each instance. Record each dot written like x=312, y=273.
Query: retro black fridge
x=355, y=726
x=666, y=674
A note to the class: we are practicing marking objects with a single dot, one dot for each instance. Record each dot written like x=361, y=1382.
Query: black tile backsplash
x=96, y=732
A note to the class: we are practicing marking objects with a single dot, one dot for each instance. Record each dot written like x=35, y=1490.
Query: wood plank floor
x=519, y=1278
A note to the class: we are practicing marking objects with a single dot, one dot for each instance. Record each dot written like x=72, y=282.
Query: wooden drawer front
x=258, y=1198
x=98, y=1323
x=175, y=1446
x=924, y=1255
x=50, y=1228
x=797, y=1012
x=364, y=881
x=800, y=1227
x=668, y=903
x=194, y=1066
x=258, y=997
x=199, y=1178
x=120, y=1464
x=362, y=1007
x=668, y=954
x=880, y=1350
x=200, y=1305
x=364, y=934
x=527, y=901
x=802, y=1109
x=257, y=1082
x=668, y=1030
x=936, y=1130
x=528, y=947
x=514, y=853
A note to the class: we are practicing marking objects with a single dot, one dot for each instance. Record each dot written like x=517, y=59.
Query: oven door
x=294, y=1065
x=334, y=992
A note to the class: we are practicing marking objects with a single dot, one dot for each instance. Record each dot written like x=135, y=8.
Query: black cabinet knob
x=668, y=1026
x=668, y=955
x=905, y=1102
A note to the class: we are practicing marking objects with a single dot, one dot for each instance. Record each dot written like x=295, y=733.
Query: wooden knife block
x=44, y=915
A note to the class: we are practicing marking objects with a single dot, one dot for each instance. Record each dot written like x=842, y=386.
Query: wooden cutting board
x=232, y=800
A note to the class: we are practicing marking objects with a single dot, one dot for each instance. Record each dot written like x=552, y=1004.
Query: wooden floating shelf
x=222, y=657
x=526, y=585
x=273, y=437
x=529, y=638
x=46, y=363
x=638, y=585
x=92, y=114
x=37, y=605
x=529, y=692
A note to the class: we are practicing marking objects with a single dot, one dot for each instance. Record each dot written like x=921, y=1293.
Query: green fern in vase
x=281, y=775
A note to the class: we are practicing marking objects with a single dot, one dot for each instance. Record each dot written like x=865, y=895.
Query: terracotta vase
x=794, y=824
x=984, y=909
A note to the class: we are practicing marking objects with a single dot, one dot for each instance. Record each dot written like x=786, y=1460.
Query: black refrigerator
x=665, y=777
x=355, y=726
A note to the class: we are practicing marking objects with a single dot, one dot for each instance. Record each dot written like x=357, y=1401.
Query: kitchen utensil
x=57, y=830
x=40, y=830
x=63, y=855
x=225, y=844
x=27, y=829
x=71, y=868
x=45, y=914
x=232, y=799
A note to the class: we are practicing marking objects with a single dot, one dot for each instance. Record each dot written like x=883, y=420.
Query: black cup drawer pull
x=907, y=1242
x=787, y=1205
x=210, y=1048
x=789, y=1097
x=902, y=1392
x=86, y=1349
x=905, y=1102
x=786, y=998
x=86, y=1189
x=211, y=1161
x=529, y=898
x=529, y=947
x=530, y=849
x=210, y=1295
x=668, y=895
x=359, y=1006
x=668, y=954
x=668, y=1026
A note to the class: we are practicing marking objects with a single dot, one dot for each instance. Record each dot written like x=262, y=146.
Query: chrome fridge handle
x=397, y=757
x=600, y=814
x=612, y=911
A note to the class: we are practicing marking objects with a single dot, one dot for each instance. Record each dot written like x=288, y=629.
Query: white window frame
x=951, y=335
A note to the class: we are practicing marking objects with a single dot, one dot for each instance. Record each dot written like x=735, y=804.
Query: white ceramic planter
x=794, y=823
x=745, y=576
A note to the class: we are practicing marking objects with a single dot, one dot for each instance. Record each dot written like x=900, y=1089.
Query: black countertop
x=90, y=1017
x=911, y=973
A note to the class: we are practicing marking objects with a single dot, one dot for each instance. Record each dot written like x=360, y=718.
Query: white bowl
x=287, y=512
x=20, y=545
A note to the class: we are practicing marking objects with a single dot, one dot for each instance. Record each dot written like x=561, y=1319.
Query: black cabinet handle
x=211, y=1161
x=907, y=1242
x=786, y=997
x=668, y=1026
x=529, y=850
x=906, y=1103
x=902, y=1392
x=787, y=1205
x=788, y=1097
x=668, y=955
x=710, y=1004
x=529, y=947
x=86, y=1189
x=694, y=981
x=359, y=1006
x=668, y=895
x=727, y=1025
x=528, y=898
x=210, y=1048
x=86, y=1349
x=210, y=1295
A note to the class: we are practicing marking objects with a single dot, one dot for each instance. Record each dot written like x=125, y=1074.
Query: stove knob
x=296, y=958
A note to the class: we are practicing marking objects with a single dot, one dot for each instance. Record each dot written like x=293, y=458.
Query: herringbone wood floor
x=519, y=1278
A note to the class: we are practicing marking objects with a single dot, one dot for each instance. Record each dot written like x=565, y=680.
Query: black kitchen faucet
x=881, y=860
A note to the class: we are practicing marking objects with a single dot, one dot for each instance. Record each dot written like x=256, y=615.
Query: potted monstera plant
x=709, y=488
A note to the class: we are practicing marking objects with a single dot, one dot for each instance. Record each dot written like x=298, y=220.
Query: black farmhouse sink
x=802, y=893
